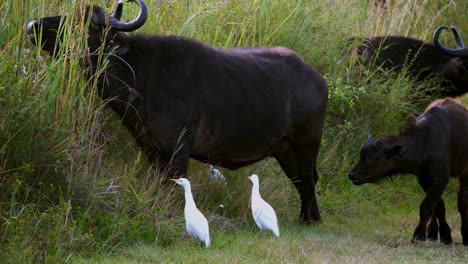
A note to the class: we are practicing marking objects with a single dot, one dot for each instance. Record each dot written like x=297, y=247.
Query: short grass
x=74, y=186
x=361, y=231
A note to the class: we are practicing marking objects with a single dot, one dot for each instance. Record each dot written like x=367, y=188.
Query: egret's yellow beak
x=174, y=180
x=249, y=178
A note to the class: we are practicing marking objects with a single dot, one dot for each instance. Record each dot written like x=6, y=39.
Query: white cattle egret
x=263, y=213
x=195, y=222
x=215, y=174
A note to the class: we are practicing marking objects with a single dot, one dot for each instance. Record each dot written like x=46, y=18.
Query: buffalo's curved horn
x=462, y=50
x=132, y=25
x=369, y=139
x=117, y=14
x=457, y=38
x=98, y=16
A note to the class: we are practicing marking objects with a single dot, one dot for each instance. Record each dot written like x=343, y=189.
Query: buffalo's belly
x=239, y=152
x=229, y=164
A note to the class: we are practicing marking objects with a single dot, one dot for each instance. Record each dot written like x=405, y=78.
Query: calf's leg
x=444, y=228
x=462, y=201
x=437, y=222
x=433, y=227
x=433, y=195
x=438, y=225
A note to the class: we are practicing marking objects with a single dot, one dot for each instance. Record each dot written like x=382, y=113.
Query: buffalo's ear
x=118, y=45
x=395, y=152
x=457, y=68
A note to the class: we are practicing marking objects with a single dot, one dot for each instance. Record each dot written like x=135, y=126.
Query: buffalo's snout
x=32, y=32
x=354, y=177
x=33, y=26
x=44, y=29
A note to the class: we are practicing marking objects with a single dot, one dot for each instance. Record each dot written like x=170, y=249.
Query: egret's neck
x=255, y=190
x=189, y=198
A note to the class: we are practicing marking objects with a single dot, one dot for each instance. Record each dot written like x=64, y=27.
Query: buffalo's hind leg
x=299, y=166
x=288, y=162
x=306, y=160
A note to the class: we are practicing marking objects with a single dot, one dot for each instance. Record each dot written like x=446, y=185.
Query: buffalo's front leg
x=462, y=201
x=173, y=164
x=433, y=228
x=437, y=222
x=438, y=225
x=444, y=229
x=171, y=150
x=434, y=189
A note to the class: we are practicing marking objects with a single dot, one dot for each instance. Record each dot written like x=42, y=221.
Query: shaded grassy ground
x=74, y=186
x=358, y=233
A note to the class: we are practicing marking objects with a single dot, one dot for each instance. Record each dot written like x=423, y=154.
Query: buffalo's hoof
x=417, y=239
x=310, y=221
x=448, y=243
x=433, y=235
x=419, y=235
x=446, y=240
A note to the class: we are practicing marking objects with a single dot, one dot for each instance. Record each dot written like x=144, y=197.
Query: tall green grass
x=74, y=183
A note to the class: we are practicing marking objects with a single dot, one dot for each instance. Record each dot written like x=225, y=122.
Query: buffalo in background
x=183, y=99
x=420, y=60
x=434, y=149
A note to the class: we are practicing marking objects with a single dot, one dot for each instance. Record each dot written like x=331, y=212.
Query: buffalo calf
x=434, y=149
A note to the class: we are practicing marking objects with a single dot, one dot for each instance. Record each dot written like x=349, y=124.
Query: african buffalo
x=420, y=60
x=434, y=149
x=231, y=107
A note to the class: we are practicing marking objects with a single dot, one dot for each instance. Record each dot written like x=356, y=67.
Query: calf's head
x=378, y=158
x=50, y=29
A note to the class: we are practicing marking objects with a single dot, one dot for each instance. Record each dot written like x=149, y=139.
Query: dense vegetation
x=74, y=185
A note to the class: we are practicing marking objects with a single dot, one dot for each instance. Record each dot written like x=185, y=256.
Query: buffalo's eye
x=372, y=157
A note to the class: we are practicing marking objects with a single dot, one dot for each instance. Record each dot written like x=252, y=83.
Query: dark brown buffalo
x=434, y=149
x=420, y=60
x=231, y=107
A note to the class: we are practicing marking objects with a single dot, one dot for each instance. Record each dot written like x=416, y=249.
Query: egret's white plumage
x=215, y=174
x=195, y=222
x=263, y=213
